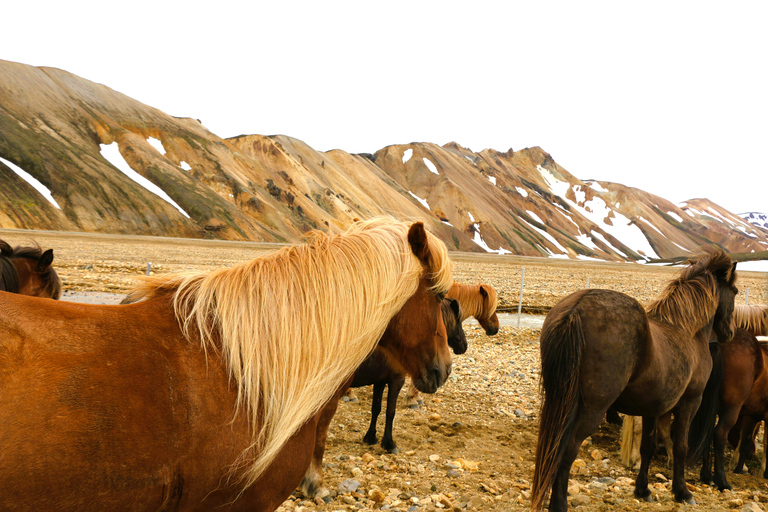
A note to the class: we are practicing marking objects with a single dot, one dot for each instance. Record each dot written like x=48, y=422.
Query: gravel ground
x=471, y=445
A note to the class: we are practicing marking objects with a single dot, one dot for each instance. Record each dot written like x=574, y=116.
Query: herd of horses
x=216, y=390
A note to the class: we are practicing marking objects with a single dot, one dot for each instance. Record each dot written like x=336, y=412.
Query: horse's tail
x=562, y=344
x=628, y=441
x=702, y=428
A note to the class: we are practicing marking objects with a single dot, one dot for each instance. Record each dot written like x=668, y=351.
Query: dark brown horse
x=27, y=270
x=601, y=348
x=380, y=371
x=743, y=396
x=478, y=301
x=206, y=394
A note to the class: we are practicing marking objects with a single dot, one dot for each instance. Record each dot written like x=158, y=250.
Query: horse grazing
x=206, y=393
x=27, y=270
x=601, y=348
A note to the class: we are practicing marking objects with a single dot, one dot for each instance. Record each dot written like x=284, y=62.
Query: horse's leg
x=395, y=385
x=378, y=395
x=724, y=424
x=746, y=442
x=647, y=449
x=312, y=484
x=664, y=430
x=586, y=423
x=684, y=413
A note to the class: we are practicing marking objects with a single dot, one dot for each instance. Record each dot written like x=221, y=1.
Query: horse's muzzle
x=433, y=378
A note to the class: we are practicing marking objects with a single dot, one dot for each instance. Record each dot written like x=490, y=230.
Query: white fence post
x=520, y=302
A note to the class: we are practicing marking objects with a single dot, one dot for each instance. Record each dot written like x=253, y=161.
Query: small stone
x=434, y=417
x=751, y=507
x=453, y=473
x=376, y=495
x=434, y=457
x=357, y=472
x=579, y=500
x=596, y=455
x=348, y=486
x=367, y=457
x=735, y=503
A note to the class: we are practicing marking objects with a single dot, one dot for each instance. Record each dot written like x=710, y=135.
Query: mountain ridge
x=56, y=126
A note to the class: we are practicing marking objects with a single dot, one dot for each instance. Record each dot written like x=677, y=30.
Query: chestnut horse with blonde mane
x=206, y=393
x=27, y=270
x=601, y=349
x=479, y=301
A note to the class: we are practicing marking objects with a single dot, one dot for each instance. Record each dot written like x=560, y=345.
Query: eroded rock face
x=56, y=126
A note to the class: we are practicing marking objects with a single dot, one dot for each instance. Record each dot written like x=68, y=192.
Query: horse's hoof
x=368, y=439
x=644, y=496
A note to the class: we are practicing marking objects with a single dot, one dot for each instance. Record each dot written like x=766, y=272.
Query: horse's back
x=102, y=406
x=614, y=331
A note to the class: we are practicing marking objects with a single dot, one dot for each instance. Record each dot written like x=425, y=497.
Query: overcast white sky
x=670, y=97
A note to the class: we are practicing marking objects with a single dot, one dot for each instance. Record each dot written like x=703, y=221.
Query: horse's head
x=723, y=324
x=457, y=340
x=416, y=337
x=34, y=273
x=489, y=322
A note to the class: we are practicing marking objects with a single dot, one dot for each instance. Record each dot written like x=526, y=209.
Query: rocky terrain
x=469, y=446
x=78, y=156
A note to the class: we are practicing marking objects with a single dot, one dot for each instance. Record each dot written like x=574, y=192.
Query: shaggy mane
x=472, y=303
x=752, y=318
x=690, y=300
x=294, y=324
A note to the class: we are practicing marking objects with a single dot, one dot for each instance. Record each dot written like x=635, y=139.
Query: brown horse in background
x=601, y=348
x=27, y=270
x=380, y=371
x=743, y=398
x=479, y=301
x=206, y=394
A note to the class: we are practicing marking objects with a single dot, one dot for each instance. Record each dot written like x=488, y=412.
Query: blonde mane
x=690, y=300
x=471, y=300
x=294, y=324
x=752, y=318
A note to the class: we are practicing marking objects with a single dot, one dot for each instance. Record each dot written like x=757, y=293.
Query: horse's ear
x=417, y=238
x=483, y=292
x=733, y=273
x=455, y=308
x=5, y=248
x=45, y=261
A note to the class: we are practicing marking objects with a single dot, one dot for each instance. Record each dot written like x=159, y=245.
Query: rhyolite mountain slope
x=62, y=129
